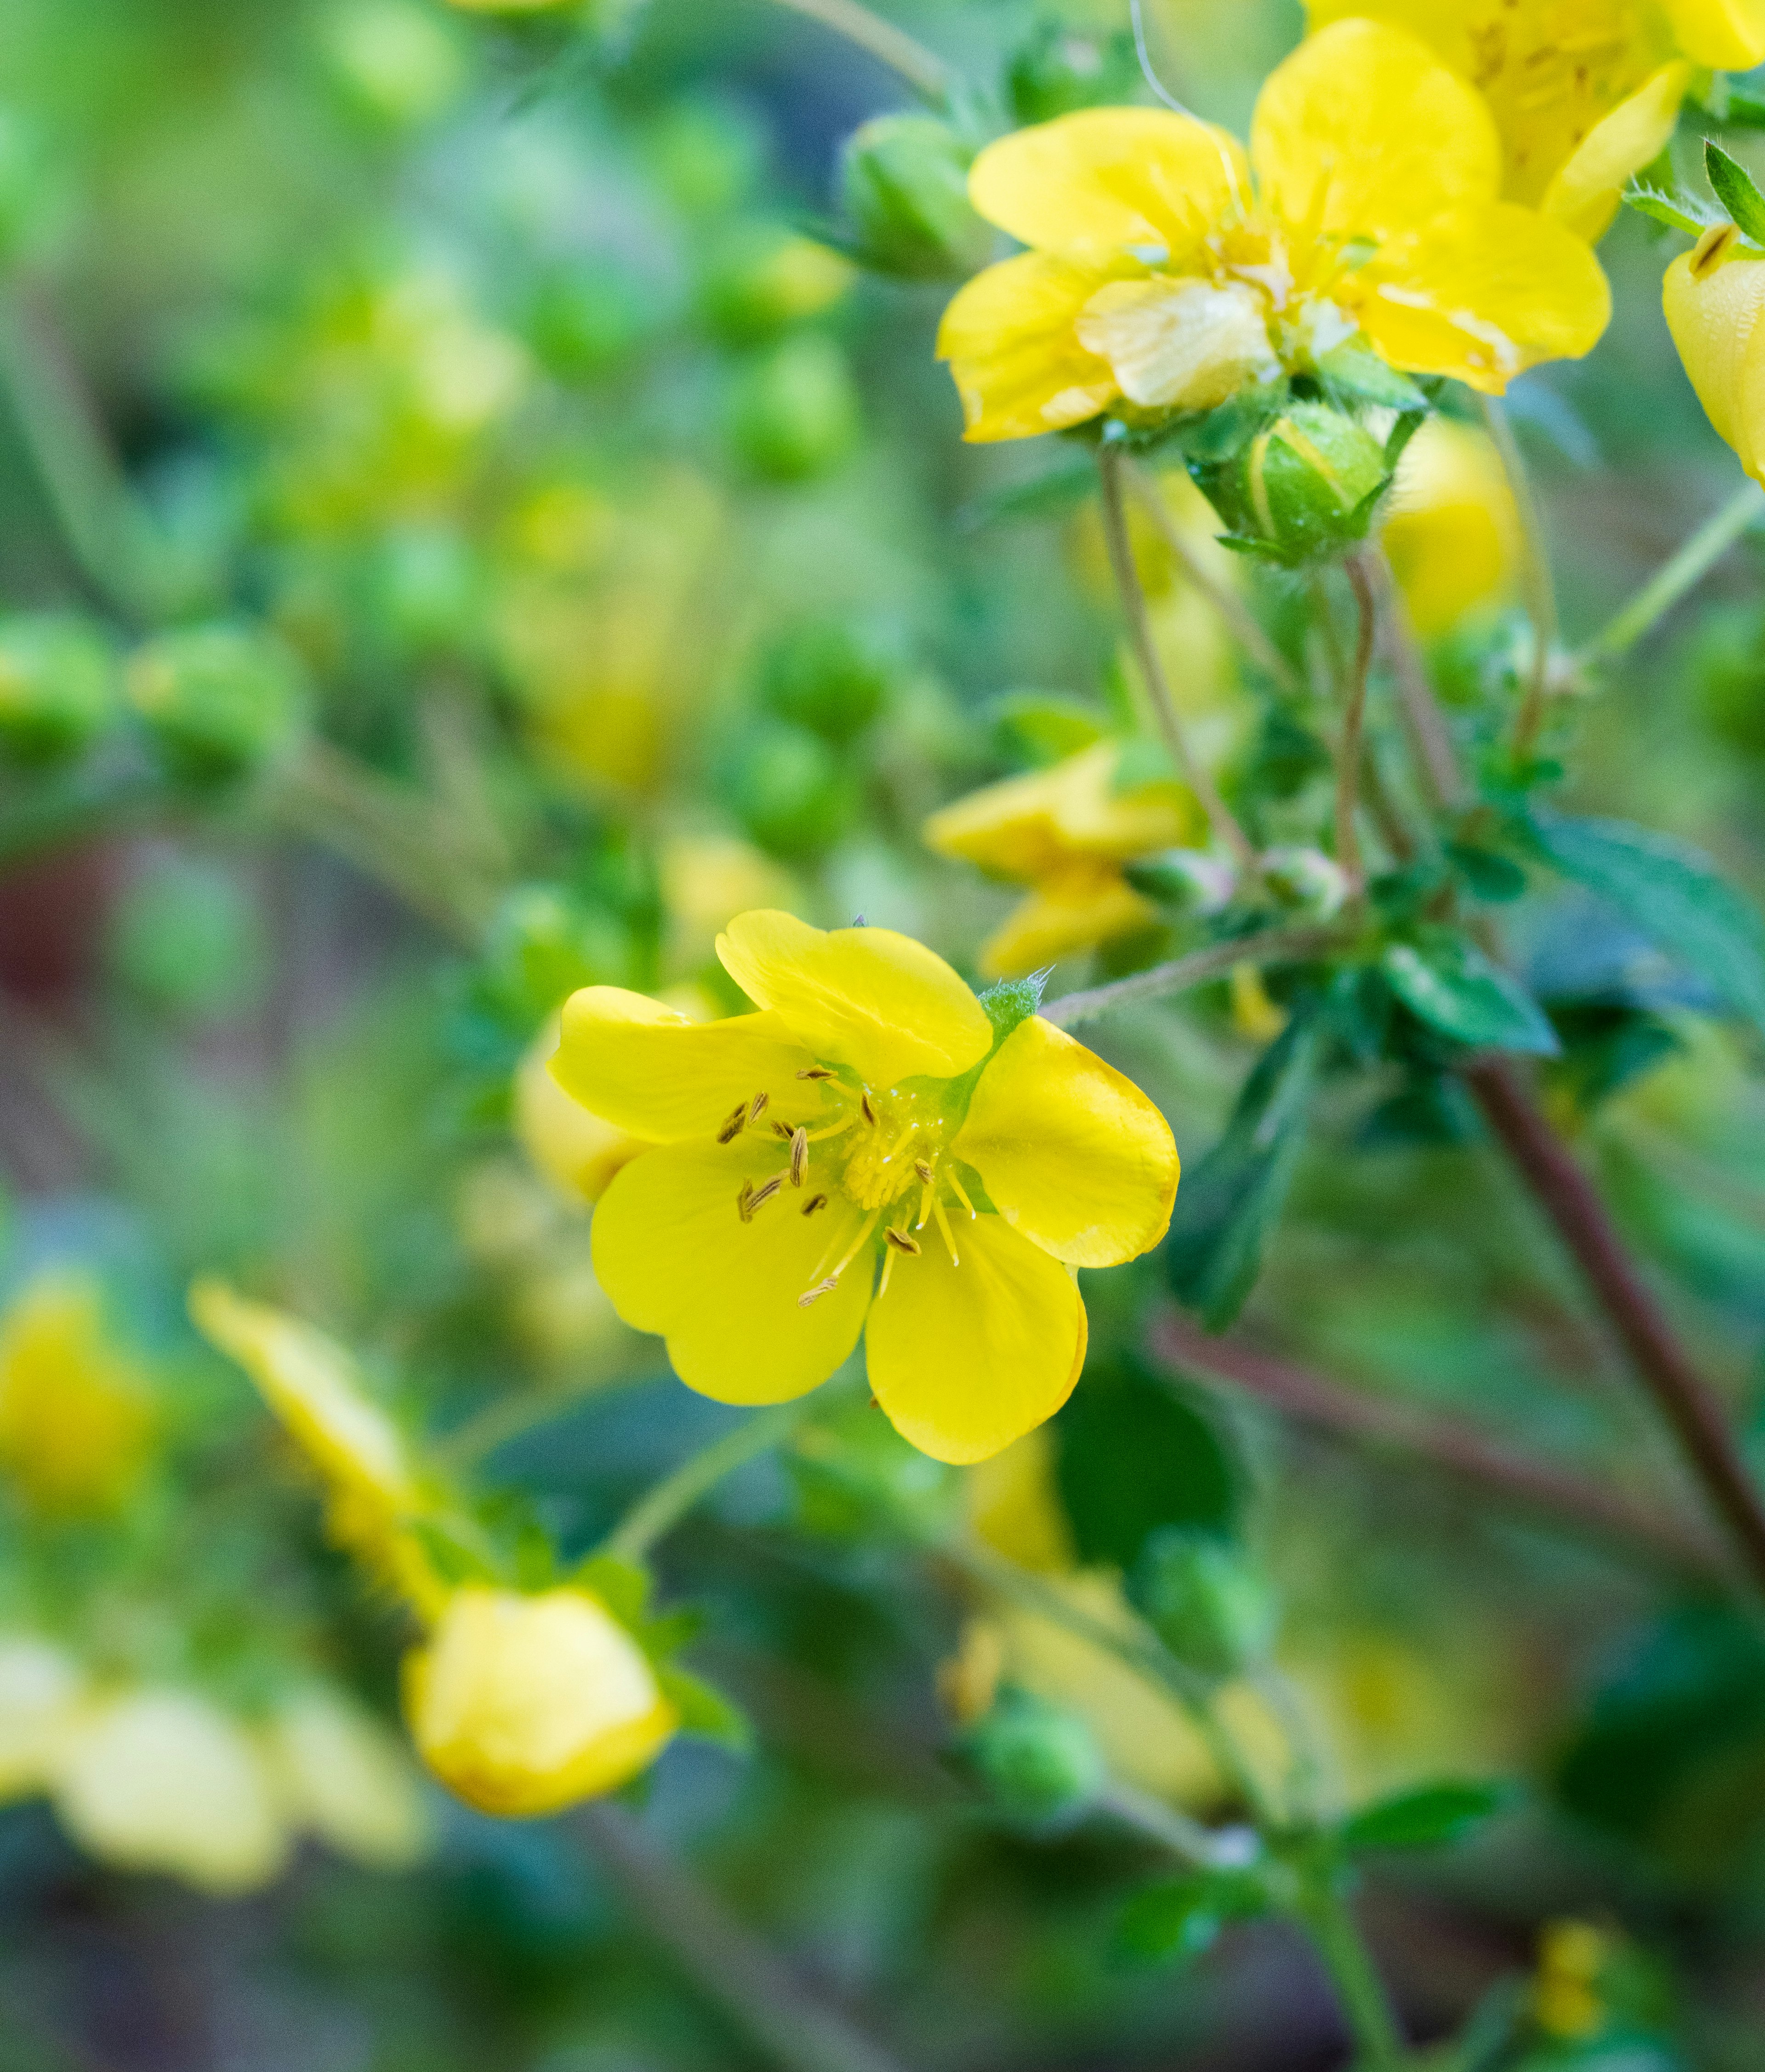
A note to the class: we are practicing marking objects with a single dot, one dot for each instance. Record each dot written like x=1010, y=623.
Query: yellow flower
x=577, y=1152
x=1160, y=277
x=861, y=1116
x=347, y=1780
x=1066, y=832
x=77, y=1421
x=1566, y=1999
x=41, y=1690
x=522, y=1705
x=160, y=1781
x=313, y=1387
x=1453, y=535
x=1713, y=295
x=1585, y=92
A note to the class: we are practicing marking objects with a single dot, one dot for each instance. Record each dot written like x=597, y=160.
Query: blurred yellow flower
x=1566, y=2000
x=522, y=1705
x=1066, y=832
x=347, y=1780
x=1453, y=534
x=1585, y=92
x=1713, y=296
x=753, y=1250
x=1159, y=277
x=706, y=880
x=577, y=1152
x=42, y=1688
x=77, y=1421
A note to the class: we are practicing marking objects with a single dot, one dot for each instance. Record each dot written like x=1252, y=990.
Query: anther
x=757, y=1106
x=902, y=1242
x=864, y=1108
x=799, y=1156
x=783, y=1131
x=745, y=1202
x=732, y=1128
x=815, y=1072
x=923, y=1167
x=814, y=1203
x=763, y=1194
x=831, y=1282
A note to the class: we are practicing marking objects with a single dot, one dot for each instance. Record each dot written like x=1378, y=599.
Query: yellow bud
x=577, y=1152
x=348, y=1780
x=76, y=1420
x=1454, y=534
x=1713, y=297
x=522, y=1705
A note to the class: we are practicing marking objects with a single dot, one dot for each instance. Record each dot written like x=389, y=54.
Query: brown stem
x=1430, y=738
x=1354, y=722
x=1569, y=1199
x=1554, y=1495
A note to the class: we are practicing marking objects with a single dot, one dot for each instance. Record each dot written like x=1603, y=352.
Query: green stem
x=1541, y=591
x=661, y=1508
x=1354, y=721
x=1336, y=1934
x=1186, y=1839
x=924, y=73
x=1677, y=575
x=1270, y=945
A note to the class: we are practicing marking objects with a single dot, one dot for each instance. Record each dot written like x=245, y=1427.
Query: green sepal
x=1425, y=1818
x=705, y=1712
x=623, y=1586
x=1735, y=189
x=1011, y=1001
x=1357, y=374
x=1409, y=423
x=1664, y=209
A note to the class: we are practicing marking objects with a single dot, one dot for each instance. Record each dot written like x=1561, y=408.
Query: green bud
x=585, y=319
x=832, y=678
x=1305, y=880
x=544, y=946
x=763, y=278
x=218, y=699
x=186, y=938
x=904, y=186
x=398, y=61
x=1060, y=71
x=1039, y=1764
x=1203, y=1599
x=1186, y=881
x=789, y=790
x=58, y=686
x=1302, y=491
x=794, y=410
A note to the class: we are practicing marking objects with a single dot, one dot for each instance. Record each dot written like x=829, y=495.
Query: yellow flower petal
x=1363, y=132
x=1110, y=178
x=1714, y=301
x=1073, y=1155
x=1075, y=909
x=1453, y=536
x=646, y=1069
x=866, y=997
x=349, y=1780
x=966, y=1358
x=1030, y=827
x=521, y=1706
x=1482, y=294
x=1728, y=35
x=1584, y=194
x=672, y=1252
x=1014, y=353
x=577, y=1151
x=1179, y=345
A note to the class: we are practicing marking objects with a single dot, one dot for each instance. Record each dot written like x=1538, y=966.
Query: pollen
x=814, y=1203
x=865, y=1109
x=814, y=1072
x=763, y=1194
x=923, y=1167
x=757, y=1106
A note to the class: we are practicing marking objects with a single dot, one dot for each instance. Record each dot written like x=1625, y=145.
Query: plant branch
x=1336, y=1933
x=661, y=1508
x=730, y=1966
x=1354, y=722
x=1271, y=946
x=924, y=73
x=1540, y=590
x=1680, y=573
x=1430, y=738
x=1569, y=1199
x=1111, y=462
x=1184, y=1837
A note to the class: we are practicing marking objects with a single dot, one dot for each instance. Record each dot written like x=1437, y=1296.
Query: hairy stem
x=661, y=1508
x=909, y=60
x=1272, y=946
x=1354, y=722
x=1680, y=573
x=1336, y=1933
x=1540, y=588
x=1111, y=463
x=1569, y=1199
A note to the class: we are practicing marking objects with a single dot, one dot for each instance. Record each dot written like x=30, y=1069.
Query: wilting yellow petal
x=1728, y=35
x=1073, y=1154
x=349, y=1781
x=866, y=997
x=1714, y=297
x=1014, y=352
x=644, y=1067
x=671, y=1250
x=1179, y=345
x=521, y=1706
x=1363, y=132
x=1584, y=192
x=1071, y=909
x=577, y=1151
x=965, y=1358
x=1110, y=178
x=1482, y=294
x=1453, y=536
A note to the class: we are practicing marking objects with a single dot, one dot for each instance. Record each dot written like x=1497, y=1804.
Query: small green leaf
x=1663, y=208
x=1486, y=874
x=670, y=1632
x=1674, y=894
x=1179, y=1917
x=704, y=1711
x=453, y=1556
x=1423, y=1819
x=623, y=1586
x=1447, y=982
x=1734, y=189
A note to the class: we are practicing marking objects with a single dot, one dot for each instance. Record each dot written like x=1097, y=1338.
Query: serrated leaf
x=1673, y=894
x=1446, y=981
x=1423, y=1819
x=1232, y=1197
x=623, y=1586
x=1663, y=208
x=1179, y=1917
x=1735, y=188
x=704, y=1711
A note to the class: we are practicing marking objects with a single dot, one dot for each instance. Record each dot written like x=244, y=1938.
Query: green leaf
x=1488, y=874
x=1423, y=1819
x=1663, y=208
x=1232, y=1197
x=623, y=1586
x=1046, y=730
x=1742, y=111
x=1735, y=190
x=704, y=1711
x=667, y=1634
x=1409, y=423
x=1179, y=1917
x=1674, y=894
x=1447, y=982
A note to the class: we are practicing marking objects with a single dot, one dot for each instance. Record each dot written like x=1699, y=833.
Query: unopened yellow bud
x=1713, y=297
x=522, y=1705
x=76, y=1419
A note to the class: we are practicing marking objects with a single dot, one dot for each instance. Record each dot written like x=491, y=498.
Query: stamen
x=957, y=1187
x=783, y=1131
x=943, y=1224
x=833, y=1129
x=745, y=1202
x=799, y=1156
x=757, y=1106
x=763, y=1194
x=925, y=1205
x=815, y=1072
x=901, y=1241
x=734, y=1126
x=814, y=1203
x=923, y=1167
x=821, y=1288
x=888, y=1267
x=865, y=1109
x=852, y=1250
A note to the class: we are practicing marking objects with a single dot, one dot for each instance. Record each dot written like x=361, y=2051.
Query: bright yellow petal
x=1482, y=294
x=1179, y=345
x=1072, y=1153
x=1110, y=178
x=672, y=1252
x=866, y=997
x=1029, y=827
x=1363, y=132
x=965, y=1358
x=1715, y=307
x=1010, y=830
x=1011, y=341
x=1075, y=909
x=646, y=1069
x=576, y=1150
x=1728, y=35
x=1584, y=193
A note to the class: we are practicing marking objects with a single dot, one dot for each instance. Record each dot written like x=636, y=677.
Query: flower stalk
x=926, y=74
x=1680, y=573
x=1350, y=749
x=663, y=1506
x=1271, y=946
x=1538, y=583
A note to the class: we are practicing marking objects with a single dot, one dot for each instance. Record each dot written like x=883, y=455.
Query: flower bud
x=789, y=791
x=794, y=411
x=1039, y=1764
x=830, y=677
x=1305, y=880
x=1204, y=1600
x=763, y=278
x=904, y=184
x=1060, y=71
x=522, y=1705
x=220, y=700
x=1713, y=296
x=58, y=686
x=1186, y=881
x=1302, y=491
